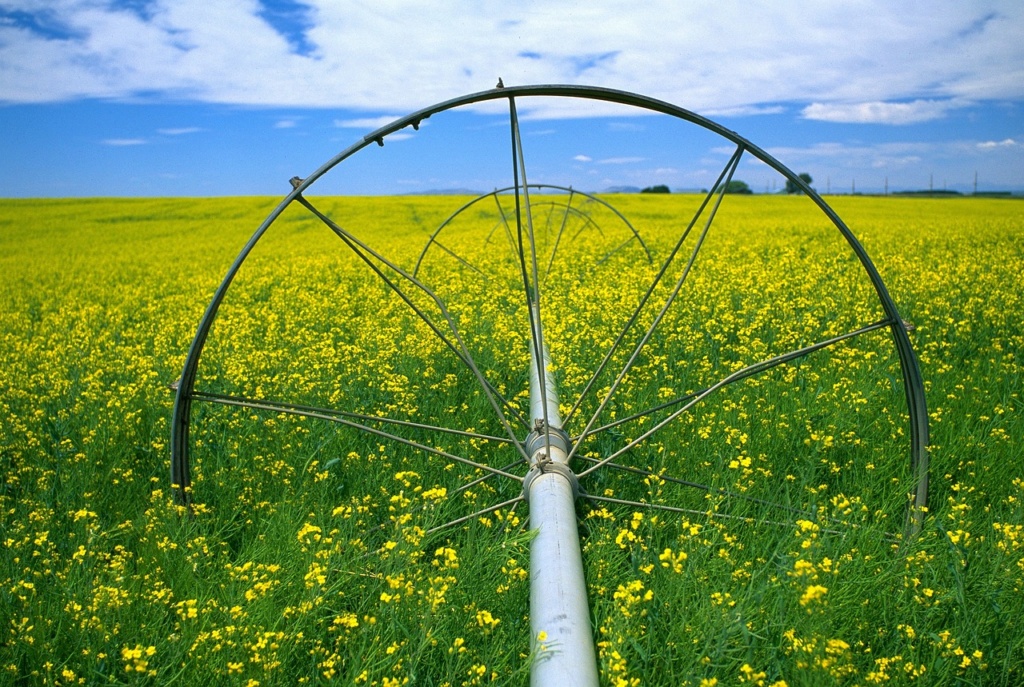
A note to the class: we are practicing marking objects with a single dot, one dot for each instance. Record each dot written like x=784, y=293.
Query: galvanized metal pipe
x=559, y=613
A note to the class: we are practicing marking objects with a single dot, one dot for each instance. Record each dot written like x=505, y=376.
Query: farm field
x=310, y=555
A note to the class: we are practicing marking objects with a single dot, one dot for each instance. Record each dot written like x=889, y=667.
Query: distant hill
x=622, y=189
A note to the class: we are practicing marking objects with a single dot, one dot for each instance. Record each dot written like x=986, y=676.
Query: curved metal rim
x=497, y=191
x=912, y=380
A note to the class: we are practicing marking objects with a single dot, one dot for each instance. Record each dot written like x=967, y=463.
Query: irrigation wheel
x=543, y=350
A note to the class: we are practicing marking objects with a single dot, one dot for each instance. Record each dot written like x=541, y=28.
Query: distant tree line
x=736, y=186
x=741, y=187
x=793, y=188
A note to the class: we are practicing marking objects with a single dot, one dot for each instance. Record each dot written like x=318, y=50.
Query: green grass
x=307, y=559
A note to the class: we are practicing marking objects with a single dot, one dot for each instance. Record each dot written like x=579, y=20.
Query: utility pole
x=886, y=186
x=975, y=182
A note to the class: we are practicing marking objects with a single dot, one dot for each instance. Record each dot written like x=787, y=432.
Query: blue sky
x=234, y=97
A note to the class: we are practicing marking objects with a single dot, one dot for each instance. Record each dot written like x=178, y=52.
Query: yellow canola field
x=311, y=557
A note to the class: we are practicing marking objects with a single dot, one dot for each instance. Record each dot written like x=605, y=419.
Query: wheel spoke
x=369, y=430
x=533, y=295
x=433, y=240
x=728, y=172
x=422, y=506
x=484, y=478
x=705, y=513
x=294, y=408
x=361, y=250
x=710, y=489
x=558, y=236
x=504, y=223
x=743, y=373
x=654, y=283
x=613, y=251
x=643, y=413
x=465, y=518
x=461, y=259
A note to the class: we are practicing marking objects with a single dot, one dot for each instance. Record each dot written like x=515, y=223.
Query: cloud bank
x=881, y=112
x=871, y=61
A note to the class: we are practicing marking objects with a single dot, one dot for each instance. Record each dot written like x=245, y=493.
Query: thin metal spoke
x=375, y=432
x=485, y=511
x=490, y=235
x=733, y=163
x=717, y=187
x=291, y=408
x=511, y=502
x=437, y=232
x=423, y=506
x=561, y=229
x=484, y=478
x=458, y=257
x=704, y=513
x=358, y=247
x=504, y=223
x=709, y=489
x=582, y=229
x=642, y=413
x=533, y=295
x=464, y=355
x=743, y=373
x=613, y=251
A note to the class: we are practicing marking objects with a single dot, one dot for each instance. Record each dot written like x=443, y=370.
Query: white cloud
x=876, y=155
x=894, y=161
x=745, y=111
x=730, y=58
x=992, y=145
x=124, y=141
x=370, y=123
x=180, y=131
x=620, y=160
x=881, y=112
x=583, y=158
x=285, y=124
x=892, y=156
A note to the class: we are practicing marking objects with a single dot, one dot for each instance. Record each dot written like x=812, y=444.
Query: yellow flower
x=813, y=593
x=485, y=620
x=458, y=646
x=306, y=530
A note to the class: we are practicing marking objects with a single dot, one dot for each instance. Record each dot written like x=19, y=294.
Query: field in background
x=309, y=560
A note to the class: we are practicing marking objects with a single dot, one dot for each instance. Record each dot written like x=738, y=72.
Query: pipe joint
x=548, y=467
x=543, y=436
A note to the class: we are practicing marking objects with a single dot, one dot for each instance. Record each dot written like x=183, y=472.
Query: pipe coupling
x=547, y=467
x=542, y=436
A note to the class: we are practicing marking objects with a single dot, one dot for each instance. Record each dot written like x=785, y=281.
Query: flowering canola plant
x=309, y=556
